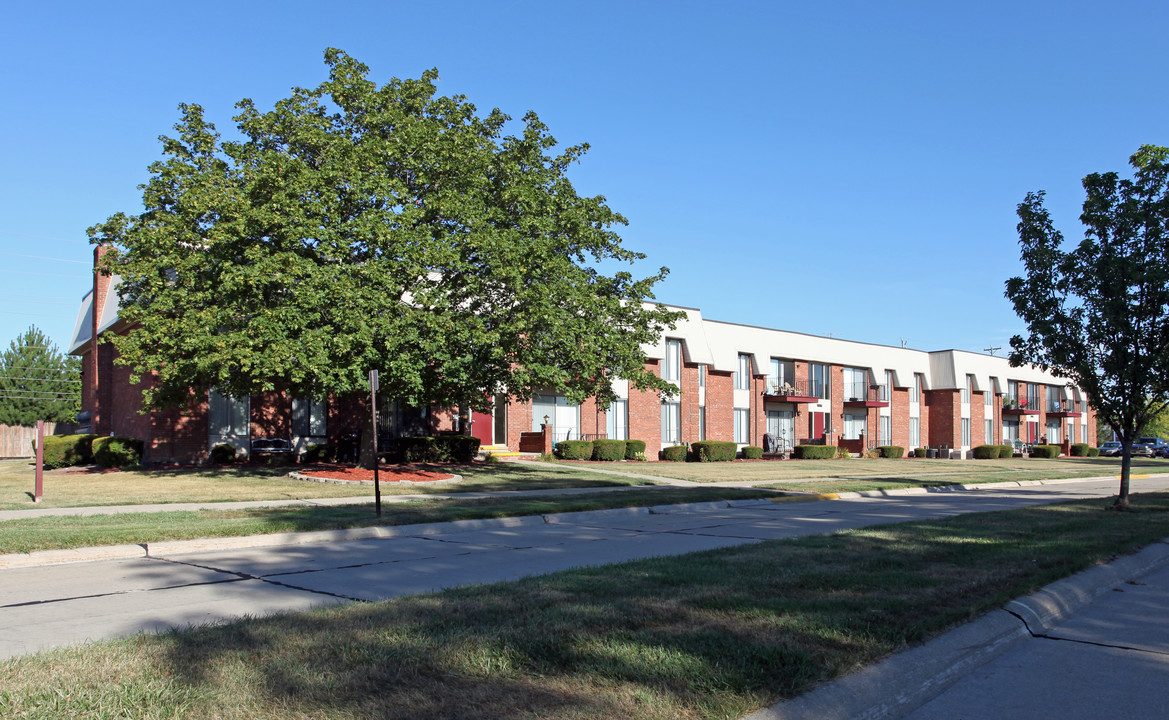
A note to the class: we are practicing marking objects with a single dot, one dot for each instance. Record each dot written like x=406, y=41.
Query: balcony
x=801, y=392
x=865, y=395
x=1062, y=409
x=1014, y=406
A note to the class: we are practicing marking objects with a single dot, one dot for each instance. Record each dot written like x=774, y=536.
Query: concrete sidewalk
x=1090, y=646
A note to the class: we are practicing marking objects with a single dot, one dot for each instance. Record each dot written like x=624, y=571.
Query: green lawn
x=55, y=533
x=706, y=635
x=262, y=483
x=951, y=471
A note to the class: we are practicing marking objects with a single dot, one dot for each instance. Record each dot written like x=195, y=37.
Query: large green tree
x=357, y=227
x=37, y=381
x=1098, y=312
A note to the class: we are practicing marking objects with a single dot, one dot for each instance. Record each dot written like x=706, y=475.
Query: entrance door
x=782, y=425
x=816, y=425
x=482, y=427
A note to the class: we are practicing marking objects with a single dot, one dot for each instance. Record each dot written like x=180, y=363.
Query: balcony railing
x=802, y=389
x=865, y=394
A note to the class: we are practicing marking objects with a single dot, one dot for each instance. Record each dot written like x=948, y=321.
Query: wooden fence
x=16, y=440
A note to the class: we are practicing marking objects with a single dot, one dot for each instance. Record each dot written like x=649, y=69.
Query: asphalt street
x=54, y=605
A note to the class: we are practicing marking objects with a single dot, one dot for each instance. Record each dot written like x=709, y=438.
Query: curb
x=897, y=685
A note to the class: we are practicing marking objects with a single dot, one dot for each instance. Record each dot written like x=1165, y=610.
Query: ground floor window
x=308, y=417
x=965, y=432
x=702, y=420
x=886, y=430
x=742, y=426
x=914, y=432
x=989, y=440
x=1053, y=432
x=617, y=420
x=227, y=419
x=671, y=423
x=563, y=416
x=1010, y=432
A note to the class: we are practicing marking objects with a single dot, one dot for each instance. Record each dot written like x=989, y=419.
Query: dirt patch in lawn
x=365, y=476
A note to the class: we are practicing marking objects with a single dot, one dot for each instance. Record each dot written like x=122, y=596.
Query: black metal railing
x=796, y=388
x=864, y=392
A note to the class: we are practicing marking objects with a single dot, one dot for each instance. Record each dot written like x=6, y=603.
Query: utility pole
x=377, y=488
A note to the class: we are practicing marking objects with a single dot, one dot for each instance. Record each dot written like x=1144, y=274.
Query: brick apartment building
x=736, y=382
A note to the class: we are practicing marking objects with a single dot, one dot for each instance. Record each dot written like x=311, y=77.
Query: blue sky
x=848, y=169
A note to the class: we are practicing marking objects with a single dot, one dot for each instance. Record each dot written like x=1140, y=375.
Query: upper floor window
x=915, y=389
x=701, y=376
x=818, y=376
x=743, y=372
x=966, y=390
x=672, y=363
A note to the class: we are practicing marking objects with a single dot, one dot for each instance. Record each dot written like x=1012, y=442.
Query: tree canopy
x=357, y=227
x=37, y=381
x=1098, y=312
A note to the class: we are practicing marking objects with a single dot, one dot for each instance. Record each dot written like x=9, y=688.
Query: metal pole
x=377, y=488
x=39, y=490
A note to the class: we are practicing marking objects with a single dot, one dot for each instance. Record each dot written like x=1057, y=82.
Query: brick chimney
x=101, y=288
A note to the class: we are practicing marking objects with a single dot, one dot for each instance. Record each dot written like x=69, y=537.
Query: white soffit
x=83, y=328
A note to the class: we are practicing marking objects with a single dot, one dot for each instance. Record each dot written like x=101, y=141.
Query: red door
x=817, y=424
x=482, y=427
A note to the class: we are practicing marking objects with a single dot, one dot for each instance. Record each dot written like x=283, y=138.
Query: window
x=988, y=397
x=887, y=389
x=886, y=430
x=1010, y=432
x=965, y=432
x=854, y=425
x=227, y=416
x=1032, y=396
x=856, y=384
x=308, y=417
x=818, y=375
x=701, y=423
x=742, y=426
x=672, y=363
x=743, y=373
x=989, y=432
x=701, y=376
x=1053, y=432
x=563, y=416
x=1013, y=390
x=775, y=378
x=915, y=389
x=1072, y=434
x=914, y=432
x=671, y=423
x=617, y=420
x=966, y=391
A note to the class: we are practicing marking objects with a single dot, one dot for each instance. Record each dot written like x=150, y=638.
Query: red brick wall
x=720, y=406
x=519, y=420
x=945, y=426
x=178, y=435
x=690, y=418
x=645, y=415
x=978, y=419
x=899, y=407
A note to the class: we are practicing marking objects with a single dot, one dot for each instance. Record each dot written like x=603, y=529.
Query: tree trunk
x=1125, y=468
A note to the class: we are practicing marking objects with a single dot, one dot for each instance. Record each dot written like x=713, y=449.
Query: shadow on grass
x=710, y=634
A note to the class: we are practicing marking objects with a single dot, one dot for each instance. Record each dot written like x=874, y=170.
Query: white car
x=1110, y=449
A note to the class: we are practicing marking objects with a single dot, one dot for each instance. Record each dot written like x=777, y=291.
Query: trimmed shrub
x=573, y=449
x=1080, y=449
x=117, y=451
x=752, y=452
x=986, y=452
x=633, y=448
x=444, y=448
x=66, y=450
x=608, y=450
x=1006, y=451
x=921, y=452
x=319, y=453
x=814, y=452
x=222, y=454
x=714, y=450
x=675, y=453
x=892, y=451
x=1093, y=452
x=1045, y=451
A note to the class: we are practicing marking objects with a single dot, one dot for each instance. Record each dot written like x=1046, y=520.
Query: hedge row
x=892, y=451
x=675, y=453
x=1045, y=451
x=752, y=452
x=714, y=450
x=814, y=452
x=443, y=448
x=66, y=450
x=1084, y=450
x=117, y=451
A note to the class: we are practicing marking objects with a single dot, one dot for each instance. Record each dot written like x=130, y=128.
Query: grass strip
x=58, y=533
x=707, y=635
x=257, y=482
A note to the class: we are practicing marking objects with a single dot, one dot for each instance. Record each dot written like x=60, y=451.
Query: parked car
x=1110, y=449
x=1140, y=449
x=1157, y=446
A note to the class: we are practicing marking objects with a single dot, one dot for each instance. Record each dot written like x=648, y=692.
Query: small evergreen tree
x=37, y=381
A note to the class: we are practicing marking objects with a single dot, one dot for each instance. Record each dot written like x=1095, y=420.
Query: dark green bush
x=444, y=448
x=1093, y=452
x=117, y=451
x=752, y=452
x=608, y=450
x=1045, y=451
x=814, y=452
x=892, y=451
x=319, y=453
x=222, y=454
x=1006, y=451
x=921, y=452
x=1080, y=449
x=573, y=449
x=986, y=452
x=67, y=450
x=632, y=447
x=675, y=453
x=714, y=450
